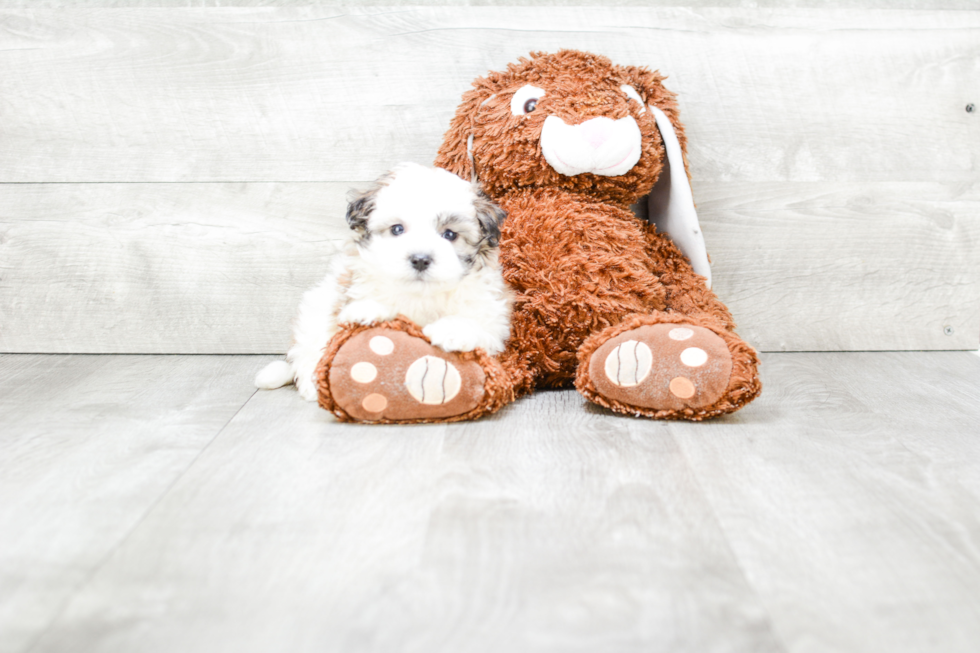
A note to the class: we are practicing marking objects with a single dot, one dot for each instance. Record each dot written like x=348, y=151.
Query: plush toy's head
x=575, y=121
x=570, y=119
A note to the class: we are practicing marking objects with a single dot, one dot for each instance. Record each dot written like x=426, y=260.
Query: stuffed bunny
x=565, y=143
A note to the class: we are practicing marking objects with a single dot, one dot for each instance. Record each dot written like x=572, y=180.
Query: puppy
x=424, y=245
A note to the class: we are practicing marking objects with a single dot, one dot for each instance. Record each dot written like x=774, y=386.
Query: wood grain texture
x=161, y=268
x=838, y=512
x=203, y=268
x=331, y=94
x=548, y=528
x=850, y=496
x=88, y=445
x=832, y=157
x=844, y=267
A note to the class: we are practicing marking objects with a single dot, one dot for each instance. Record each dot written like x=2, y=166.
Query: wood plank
x=552, y=527
x=161, y=268
x=821, y=4
x=88, y=445
x=219, y=268
x=845, y=267
x=851, y=496
x=330, y=94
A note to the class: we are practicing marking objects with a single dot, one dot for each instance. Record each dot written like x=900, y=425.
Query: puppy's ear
x=360, y=204
x=359, y=209
x=490, y=216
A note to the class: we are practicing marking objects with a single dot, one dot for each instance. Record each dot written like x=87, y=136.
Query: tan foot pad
x=386, y=374
x=663, y=366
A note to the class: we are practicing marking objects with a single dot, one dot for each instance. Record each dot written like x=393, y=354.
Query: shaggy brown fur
x=583, y=268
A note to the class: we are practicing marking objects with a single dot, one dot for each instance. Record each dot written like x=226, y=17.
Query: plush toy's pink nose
x=596, y=131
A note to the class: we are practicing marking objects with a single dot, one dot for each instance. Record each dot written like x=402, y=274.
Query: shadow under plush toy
x=622, y=308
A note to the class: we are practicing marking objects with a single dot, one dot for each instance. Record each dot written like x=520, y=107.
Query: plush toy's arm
x=671, y=204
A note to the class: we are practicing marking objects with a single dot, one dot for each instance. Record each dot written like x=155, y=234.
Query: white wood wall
x=171, y=179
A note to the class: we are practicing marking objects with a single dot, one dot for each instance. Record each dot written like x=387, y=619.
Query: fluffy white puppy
x=423, y=245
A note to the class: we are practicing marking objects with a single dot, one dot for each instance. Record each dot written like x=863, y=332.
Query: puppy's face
x=421, y=225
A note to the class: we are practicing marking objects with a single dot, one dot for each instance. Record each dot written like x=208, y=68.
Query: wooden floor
x=160, y=503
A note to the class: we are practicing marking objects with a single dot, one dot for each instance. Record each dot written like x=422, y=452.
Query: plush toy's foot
x=390, y=373
x=667, y=370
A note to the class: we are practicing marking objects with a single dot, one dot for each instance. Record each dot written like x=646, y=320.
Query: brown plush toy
x=620, y=307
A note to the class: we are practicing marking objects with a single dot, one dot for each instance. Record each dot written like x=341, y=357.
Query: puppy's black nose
x=420, y=261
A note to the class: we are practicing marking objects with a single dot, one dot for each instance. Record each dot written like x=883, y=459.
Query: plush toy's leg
x=668, y=366
x=390, y=373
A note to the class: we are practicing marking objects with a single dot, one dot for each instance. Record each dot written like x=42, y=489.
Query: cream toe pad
x=629, y=363
x=680, y=333
x=694, y=357
x=432, y=380
x=363, y=372
x=381, y=345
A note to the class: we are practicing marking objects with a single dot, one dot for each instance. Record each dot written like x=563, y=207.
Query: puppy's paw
x=307, y=388
x=366, y=311
x=304, y=361
x=306, y=377
x=462, y=334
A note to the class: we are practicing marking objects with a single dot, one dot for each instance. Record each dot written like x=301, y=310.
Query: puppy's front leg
x=313, y=329
x=316, y=326
x=366, y=311
x=455, y=333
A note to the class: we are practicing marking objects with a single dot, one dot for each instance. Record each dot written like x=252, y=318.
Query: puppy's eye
x=449, y=235
x=526, y=100
x=397, y=230
x=633, y=95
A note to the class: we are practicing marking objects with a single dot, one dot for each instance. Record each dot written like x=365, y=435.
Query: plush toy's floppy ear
x=456, y=152
x=671, y=204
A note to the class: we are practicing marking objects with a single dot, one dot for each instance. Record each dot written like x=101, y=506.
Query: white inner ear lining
x=671, y=204
x=469, y=146
x=469, y=153
x=632, y=94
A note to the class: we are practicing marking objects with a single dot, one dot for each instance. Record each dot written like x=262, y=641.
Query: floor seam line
x=108, y=555
x=728, y=545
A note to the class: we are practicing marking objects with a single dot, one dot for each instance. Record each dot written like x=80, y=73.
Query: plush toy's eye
x=397, y=230
x=633, y=95
x=525, y=100
x=449, y=235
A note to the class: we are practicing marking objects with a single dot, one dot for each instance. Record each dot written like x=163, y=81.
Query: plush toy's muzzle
x=600, y=146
